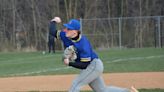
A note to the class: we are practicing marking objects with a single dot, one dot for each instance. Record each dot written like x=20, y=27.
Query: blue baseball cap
x=73, y=24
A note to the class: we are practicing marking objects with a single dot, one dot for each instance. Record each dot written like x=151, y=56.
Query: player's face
x=71, y=33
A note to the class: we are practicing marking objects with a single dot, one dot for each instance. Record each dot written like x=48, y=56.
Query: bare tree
x=34, y=22
x=33, y=16
x=14, y=17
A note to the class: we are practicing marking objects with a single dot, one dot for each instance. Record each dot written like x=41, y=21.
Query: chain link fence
x=121, y=32
x=125, y=32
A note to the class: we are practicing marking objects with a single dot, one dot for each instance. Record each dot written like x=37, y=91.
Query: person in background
x=51, y=34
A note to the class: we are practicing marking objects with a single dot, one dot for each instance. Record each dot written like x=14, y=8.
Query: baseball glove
x=70, y=53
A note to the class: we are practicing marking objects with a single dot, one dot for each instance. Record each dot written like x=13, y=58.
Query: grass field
x=143, y=90
x=140, y=90
x=115, y=60
x=125, y=60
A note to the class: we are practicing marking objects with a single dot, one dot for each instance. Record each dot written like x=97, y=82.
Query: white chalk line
x=134, y=58
x=64, y=68
x=38, y=72
x=21, y=59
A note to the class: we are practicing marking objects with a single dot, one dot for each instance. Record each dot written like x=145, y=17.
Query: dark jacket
x=52, y=28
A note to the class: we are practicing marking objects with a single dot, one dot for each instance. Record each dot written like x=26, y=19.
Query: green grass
x=133, y=60
x=151, y=90
x=125, y=60
x=143, y=90
x=140, y=90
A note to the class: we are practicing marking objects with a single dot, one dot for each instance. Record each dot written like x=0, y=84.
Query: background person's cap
x=56, y=19
x=73, y=24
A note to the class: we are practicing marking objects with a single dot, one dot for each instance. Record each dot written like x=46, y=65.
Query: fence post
x=120, y=36
x=81, y=26
x=159, y=32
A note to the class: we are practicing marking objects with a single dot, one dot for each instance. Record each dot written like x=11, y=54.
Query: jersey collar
x=77, y=39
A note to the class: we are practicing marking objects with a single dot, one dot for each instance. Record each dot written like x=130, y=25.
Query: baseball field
x=143, y=68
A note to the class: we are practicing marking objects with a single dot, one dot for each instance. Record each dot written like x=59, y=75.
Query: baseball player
x=51, y=38
x=79, y=50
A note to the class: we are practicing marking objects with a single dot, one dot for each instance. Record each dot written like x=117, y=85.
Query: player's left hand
x=70, y=53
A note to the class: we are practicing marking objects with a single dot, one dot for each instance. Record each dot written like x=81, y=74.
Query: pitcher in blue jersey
x=87, y=60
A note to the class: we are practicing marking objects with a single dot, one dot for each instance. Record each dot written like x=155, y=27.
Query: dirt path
x=63, y=82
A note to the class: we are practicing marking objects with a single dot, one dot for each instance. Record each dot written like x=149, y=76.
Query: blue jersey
x=83, y=47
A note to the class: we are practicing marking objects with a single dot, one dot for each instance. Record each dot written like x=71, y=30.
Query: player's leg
x=116, y=89
x=86, y=76
x=82, y=79
x=119, y=89
x=53, y=45
x=98, y=85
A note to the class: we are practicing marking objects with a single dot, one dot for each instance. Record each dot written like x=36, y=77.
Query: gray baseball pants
x=92, y=76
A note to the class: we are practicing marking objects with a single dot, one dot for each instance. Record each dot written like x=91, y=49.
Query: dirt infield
x=62, y=82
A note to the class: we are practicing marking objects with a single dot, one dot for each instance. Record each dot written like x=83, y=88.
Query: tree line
x=24, y=23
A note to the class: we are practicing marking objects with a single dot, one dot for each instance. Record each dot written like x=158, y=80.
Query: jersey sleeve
x=66, y=41
x=61, y=34
x=79, y=65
